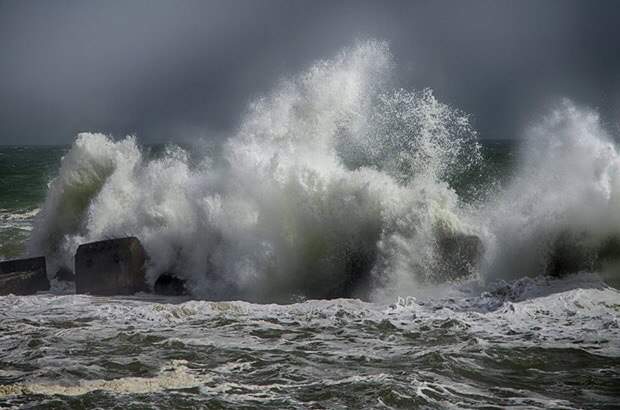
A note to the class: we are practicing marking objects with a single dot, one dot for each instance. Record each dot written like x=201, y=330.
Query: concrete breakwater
x=23, y=276
x=110, y=267
x=117, y=267
x=105, y=268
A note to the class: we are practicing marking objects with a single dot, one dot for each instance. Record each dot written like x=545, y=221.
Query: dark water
x=24, y=175
x=489, y=175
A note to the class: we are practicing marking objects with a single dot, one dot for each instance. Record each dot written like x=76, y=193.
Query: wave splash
x=335, y=176
x=560, y=212
x=332, y=175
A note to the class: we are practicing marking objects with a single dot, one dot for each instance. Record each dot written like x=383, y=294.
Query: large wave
x=335, y=184
x=332, y=176
x=561, y=212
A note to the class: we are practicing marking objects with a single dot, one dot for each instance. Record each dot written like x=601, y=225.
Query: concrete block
x=23, y=276
x=110, y=267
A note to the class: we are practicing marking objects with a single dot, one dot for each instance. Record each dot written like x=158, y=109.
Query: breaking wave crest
x=335, y=184
x=332, y=175
x=561, y=211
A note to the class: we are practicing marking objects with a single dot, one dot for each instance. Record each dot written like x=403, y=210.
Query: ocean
x=312, y=245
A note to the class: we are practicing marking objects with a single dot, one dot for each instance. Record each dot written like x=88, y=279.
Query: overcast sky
x=176, y=69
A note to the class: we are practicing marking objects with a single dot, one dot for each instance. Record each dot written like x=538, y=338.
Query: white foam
x=15, y=219
x=334, y=166
x=331, y=165
x=567, y=183
x=172, y=377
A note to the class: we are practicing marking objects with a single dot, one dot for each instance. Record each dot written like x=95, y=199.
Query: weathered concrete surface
x=23, y=276
x=110, y=267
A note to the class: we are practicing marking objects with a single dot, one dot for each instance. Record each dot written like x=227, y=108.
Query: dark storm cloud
x=168, y=69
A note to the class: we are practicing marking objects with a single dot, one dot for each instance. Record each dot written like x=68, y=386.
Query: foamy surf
x=16, y=220
x=464, y=350
x=173, y=376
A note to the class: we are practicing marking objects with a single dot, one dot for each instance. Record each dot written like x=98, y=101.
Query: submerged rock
x=23, y=276
x=169, y=285
x=110, y=267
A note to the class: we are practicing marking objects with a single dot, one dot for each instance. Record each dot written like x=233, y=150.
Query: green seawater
x=25, y=172
x=493, y=172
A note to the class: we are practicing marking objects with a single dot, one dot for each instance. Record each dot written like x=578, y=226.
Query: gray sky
x=177, y=69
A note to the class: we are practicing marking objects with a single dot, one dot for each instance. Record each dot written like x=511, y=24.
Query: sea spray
x=561, y=209
x=332, y=177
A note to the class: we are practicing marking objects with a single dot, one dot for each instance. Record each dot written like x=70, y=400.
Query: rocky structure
x=110, y=267
x=23, y=276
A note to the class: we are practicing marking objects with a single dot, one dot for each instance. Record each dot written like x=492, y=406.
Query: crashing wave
x=333, y=185
x=560, y=213
x=336, y=184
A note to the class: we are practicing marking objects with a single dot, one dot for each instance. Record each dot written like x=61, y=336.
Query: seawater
x=336, y=175
x=534, y=343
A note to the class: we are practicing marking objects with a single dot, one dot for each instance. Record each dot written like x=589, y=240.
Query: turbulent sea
x=310, y=244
